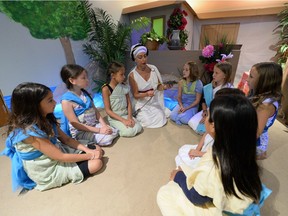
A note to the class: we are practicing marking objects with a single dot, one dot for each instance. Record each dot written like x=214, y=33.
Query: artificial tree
x=63, y=20
x=108, y=40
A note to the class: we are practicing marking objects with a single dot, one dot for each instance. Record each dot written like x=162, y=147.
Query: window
x=158, y=24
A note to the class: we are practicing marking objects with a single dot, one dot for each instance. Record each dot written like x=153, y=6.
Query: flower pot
x=174, y=38
x=152, y=45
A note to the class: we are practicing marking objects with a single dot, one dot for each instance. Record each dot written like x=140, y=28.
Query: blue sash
x=201, y=128
x=19, y=176
x=69, y=96
x=208, y=93
x=254, y=209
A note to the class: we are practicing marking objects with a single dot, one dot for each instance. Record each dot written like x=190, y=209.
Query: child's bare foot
x=262, y=156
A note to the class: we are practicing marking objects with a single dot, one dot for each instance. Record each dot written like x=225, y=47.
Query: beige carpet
x=136, y=168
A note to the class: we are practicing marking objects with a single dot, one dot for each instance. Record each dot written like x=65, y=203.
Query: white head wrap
x=136, y=49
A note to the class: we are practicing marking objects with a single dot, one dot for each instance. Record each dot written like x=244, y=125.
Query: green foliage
x=140, y=23
x=183, y=37
x=152, y=35
x=282, y=28
x=108, y=40
x=49, y=19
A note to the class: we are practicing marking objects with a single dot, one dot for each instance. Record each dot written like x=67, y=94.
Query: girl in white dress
x=226, y=181
x=191, y=154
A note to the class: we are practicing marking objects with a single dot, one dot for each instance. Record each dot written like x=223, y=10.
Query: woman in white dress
x=147, y=90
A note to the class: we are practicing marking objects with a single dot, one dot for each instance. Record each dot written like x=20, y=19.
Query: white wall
x=255, y=34
x=24, y=58
x=189, y=27
x=115, y=7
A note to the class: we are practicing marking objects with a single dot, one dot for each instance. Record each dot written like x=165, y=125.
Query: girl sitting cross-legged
x=189, y=94
x=85, y=121
x=38, y=159
x=118, y=104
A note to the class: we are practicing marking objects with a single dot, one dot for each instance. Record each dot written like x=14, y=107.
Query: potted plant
x=178, y=22
x=107, y=41
x=282, y=29
x=282, y=58
x=152, y=40
x=211, y=54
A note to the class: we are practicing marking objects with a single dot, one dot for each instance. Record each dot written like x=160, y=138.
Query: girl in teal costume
x=118, y=104
x=38, y=160
x=221, y=79
x=189, y=95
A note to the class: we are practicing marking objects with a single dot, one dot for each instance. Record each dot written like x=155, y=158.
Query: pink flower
x=208, y=51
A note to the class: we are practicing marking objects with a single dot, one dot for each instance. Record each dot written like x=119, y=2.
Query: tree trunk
x=284, y=103
x=69, y=55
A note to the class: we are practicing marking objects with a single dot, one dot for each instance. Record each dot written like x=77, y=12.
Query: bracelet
x=204, y=110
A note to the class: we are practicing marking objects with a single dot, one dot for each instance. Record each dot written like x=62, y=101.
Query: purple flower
x=208, y=51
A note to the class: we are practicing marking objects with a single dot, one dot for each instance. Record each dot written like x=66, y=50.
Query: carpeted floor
x=136, y=168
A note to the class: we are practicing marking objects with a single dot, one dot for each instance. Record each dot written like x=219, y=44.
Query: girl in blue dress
x=189, y=94
x=264, y=82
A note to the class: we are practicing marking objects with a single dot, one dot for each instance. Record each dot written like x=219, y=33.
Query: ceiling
x=211, y=9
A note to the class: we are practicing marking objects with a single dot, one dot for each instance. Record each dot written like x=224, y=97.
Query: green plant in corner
x=108, y=40
x=282, y=45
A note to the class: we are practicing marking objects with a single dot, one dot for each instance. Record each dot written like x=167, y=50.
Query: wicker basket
x=152, y=45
